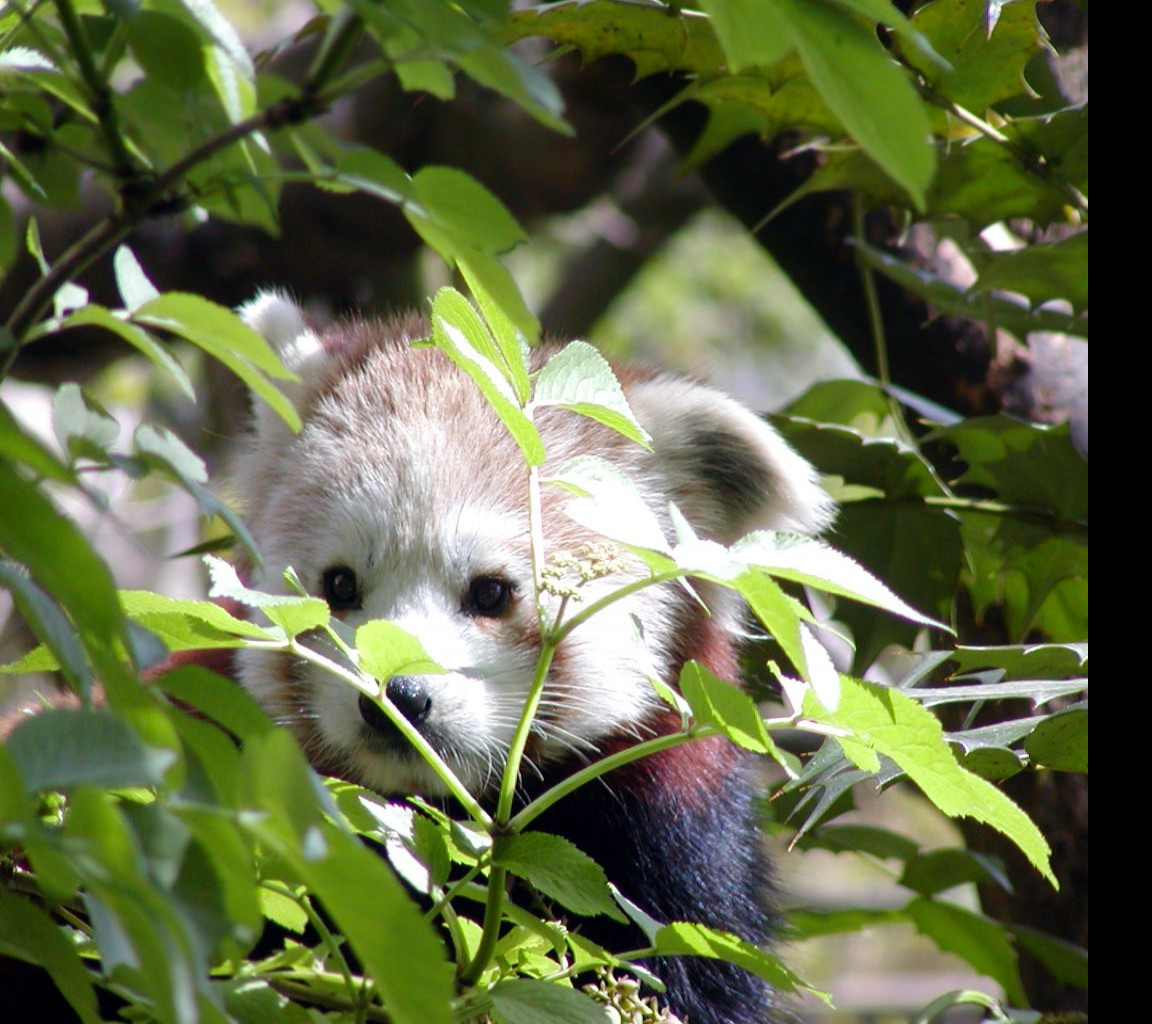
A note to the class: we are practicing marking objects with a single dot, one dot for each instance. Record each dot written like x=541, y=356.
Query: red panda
x=404, y=497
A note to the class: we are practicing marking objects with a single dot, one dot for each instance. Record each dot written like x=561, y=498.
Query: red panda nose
x=411, y=698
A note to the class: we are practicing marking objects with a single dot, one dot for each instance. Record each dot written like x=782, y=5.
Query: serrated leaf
x=813, y=563
x=387, y=650
x=683, y=938
x=578, y=378
x=609, y=503
x=294, y=615
x=976, y=939
x=716, y=702
x=1061, y=742
x=453, y=339
x=189, y=624
x=528, y=1001
x=884, y=720
x=224, y=336
x=66, y=747
x=983, y=67
x=1042, y=272
x=560, y=870
x=654, y=38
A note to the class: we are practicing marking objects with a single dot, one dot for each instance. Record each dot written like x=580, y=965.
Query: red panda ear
x=727, y=470
x=283, y=325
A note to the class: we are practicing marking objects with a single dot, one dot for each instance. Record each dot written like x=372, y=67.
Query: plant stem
x=520, y=737
x=876, y=323
x=358, y=679
x=122, y=162
x=530, y=813
x=493, y=915
x=138, y=206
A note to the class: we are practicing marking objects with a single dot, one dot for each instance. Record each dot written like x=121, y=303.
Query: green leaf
x=294, y=615
x=387, y=650
x=981, y=942
x=1065, y=961
x=48, y=622
x=62, y=748
x=468, y=226
x=220, y=700
x=869, y=839
x=67, y=567
x=685, y=939
x=223, y=335
x=983, y=67
x=716, y=702
x=752, y=34
x=952, y=300
x=81, y=428
x=560, y=870
x=870, y=94
x=656, y=39
x=462, y=336
x=578, y=378
x=365, y=899
x=885, y=721
x=18, y=446
x=935, y=871
x=185, y=624
x=135, y=287
x=609, y=503
x=813, y=563
x=28, y=934
x=1042, y=272
x=1049, y=661
x=1061, y=742
x=94, y=315
x=528, y=1001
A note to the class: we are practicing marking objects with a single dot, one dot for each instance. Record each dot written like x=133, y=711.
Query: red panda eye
x=341, y=588
x=489, y=596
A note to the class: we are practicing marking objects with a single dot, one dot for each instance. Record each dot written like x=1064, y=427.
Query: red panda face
x=404, y=498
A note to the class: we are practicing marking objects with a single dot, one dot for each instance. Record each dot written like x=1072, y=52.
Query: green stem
x=566, y=627
x=343, y=34
x=323, y=931
x=1031, y=160
x=122, y=162
x=493, y=915
x=588, y=773
x=520, y=737
x=876, y=322
x=361, y=682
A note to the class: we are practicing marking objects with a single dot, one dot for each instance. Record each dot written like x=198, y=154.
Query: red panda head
x=403, y=497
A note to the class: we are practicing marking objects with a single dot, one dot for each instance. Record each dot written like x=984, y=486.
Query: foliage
x=148, y=842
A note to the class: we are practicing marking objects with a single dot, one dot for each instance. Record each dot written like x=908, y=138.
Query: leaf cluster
x=148, y=843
